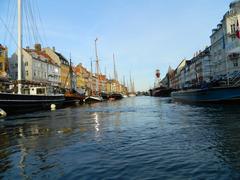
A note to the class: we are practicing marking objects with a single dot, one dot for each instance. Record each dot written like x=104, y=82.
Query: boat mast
x=19, y=46
x=91, y=79
x=130, y=84
x=70, y=73
x=97, y=66
x=114, y=66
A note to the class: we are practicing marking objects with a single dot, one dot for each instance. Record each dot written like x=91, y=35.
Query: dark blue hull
x=161, y=92
x=230, y=94
x=17, y=104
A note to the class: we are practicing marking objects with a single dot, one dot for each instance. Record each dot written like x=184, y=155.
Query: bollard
x=53, y=107
x=2, y=113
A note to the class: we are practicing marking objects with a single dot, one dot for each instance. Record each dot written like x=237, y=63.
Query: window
x=233, y=28
x=34, y=74
x=1, y=66
x=1, y=52
x=40, y=91
x=26, y=73
x=235, y=63
x=26, y=63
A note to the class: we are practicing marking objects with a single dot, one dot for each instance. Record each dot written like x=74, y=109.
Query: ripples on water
x=136, y=138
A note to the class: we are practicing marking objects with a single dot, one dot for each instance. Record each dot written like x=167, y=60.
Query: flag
x=238, y=30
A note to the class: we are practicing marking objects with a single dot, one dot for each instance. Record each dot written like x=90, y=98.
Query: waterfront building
x=64, y=64
x=79, y=74
x=108, y=86
x=74, y=80
x=102, y=83
x=88, y=81
x=220, y=62
x=201, y=64
x=191, y=73
x=175, y=79
x=37, y=67
x=93, y=84
x=113, y=86
x=82, y=78
x=3, y=61
x=225, y=46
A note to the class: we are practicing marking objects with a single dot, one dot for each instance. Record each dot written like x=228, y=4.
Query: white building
x=37, y=67
x=225, y=46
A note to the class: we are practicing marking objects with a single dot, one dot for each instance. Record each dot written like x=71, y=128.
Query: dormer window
x=233, y=28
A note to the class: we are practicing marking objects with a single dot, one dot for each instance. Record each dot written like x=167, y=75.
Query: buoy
x=2, y=113
x=53, y=107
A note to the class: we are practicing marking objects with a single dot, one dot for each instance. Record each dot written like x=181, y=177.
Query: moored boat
x=210, y=95
x=73, y=98
x=132, y=95
x=37, y=98
x=20, y=103
x=93, y=99
x=161, y=92
x=115, y=96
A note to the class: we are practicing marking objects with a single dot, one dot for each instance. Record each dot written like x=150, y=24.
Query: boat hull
x=72, y=98
x=213, y=95
x=161, y=92
x=116, y=96
x=15, y=103
x=93, y=99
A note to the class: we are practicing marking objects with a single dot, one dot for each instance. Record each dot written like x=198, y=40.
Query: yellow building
x=65, y=76
x=109, y=87
x=81, y=73
x=3, y=61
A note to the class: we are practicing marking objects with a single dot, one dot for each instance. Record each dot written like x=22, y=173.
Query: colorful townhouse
x=3, y=61
x=38, y=69
x=65, y=67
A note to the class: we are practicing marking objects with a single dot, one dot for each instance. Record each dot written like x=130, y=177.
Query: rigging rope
x=41, y=23
x=5, y=25
x=8, y=21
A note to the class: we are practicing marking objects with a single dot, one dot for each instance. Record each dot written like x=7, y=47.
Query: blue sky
x=145, y=35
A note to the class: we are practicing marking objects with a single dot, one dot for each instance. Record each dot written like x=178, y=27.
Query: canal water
x=135, y=138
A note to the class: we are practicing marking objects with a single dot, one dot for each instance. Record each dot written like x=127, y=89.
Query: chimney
x=53, y=48
x=38, y=47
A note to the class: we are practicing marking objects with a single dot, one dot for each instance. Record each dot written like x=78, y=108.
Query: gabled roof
x=42, y=56
x=62, y=58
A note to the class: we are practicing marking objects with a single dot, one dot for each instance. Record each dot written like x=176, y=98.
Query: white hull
x=94, y=98
x=132, y=95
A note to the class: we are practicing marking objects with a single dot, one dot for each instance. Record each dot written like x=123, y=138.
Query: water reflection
x=95, y=115
x=136, y=137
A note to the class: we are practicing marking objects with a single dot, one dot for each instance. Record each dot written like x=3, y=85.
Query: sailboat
x=72, y=96
x=38, y=98
x=115, y=95
x=95, y=97
x=132, y=88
